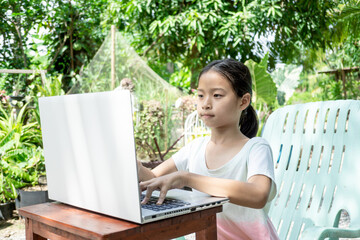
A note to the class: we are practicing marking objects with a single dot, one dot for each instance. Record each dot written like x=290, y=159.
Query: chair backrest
x=194, y=127
x=316, y=149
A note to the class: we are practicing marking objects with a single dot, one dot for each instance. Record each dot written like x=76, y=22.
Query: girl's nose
x=206, y=105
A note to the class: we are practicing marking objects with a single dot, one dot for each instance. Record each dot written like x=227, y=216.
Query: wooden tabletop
x=61, y=221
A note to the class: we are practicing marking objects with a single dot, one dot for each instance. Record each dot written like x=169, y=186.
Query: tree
x=73, y=35
x=196, y=32
x=71, y=32
x=347, y=21
x=17, y=20
x=346, y=35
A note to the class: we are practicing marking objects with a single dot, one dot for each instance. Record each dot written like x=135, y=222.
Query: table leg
x=210, y=233
x=30, y=235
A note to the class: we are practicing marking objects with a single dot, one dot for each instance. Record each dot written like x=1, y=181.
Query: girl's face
x=217, y=103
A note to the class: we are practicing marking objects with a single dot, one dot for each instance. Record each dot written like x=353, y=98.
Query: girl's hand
x=143, y=172
x=140, y=169
x=163, y=184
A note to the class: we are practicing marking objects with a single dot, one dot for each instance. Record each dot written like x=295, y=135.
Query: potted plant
x=21, y=152
x=7, y=196
x=29, y=173
x=151, y=134
x=25, y=172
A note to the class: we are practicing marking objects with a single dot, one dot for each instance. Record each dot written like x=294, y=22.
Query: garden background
x=297, y=51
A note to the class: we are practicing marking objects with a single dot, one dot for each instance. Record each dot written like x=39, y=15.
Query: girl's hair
x=239, y=77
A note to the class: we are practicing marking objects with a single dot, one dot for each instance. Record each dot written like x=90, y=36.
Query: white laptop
x=90, y=158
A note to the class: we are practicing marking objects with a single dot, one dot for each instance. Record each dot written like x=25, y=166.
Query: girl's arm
x=164, y=168
x=253, y=193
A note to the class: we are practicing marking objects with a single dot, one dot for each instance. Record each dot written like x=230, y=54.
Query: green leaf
x=263, y=86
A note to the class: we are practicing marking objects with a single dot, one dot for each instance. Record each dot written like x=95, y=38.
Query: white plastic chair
x=194, y=127
x=316, y=149
x=316, y=152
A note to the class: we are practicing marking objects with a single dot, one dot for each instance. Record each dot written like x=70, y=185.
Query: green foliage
x=303, y=97
x=347, y=22
x=19, y=168
x=196, y=32
x=185, y=35
x=7, y=188
x=22, y=131
x=286, y=79
x=188, y=33
x=68, y=32
x=264, y=87
x=333, y=89
x=21, y=156
x=181, y=79
x=17, y=20
x=73, y=28
x=51, y=87
x=149, y=125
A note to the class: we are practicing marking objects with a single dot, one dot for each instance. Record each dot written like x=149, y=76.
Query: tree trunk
x=194, y=69
x=21, y=46
x=71, y=39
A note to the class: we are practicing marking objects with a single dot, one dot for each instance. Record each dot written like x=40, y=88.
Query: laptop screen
x=90, y=152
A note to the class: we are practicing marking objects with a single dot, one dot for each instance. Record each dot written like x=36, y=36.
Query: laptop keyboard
x=168, y=203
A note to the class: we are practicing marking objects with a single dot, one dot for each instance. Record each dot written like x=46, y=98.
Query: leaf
x=20, y=117
x=7, y=138
x=263, y=86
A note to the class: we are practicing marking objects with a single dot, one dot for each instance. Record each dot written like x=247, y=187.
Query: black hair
x=239, y=77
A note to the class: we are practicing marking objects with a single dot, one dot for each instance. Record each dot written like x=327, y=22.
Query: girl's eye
x=200, y=95
x=217, y=95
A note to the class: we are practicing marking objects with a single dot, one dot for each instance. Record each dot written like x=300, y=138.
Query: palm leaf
x=350, y=13
x=347, y=23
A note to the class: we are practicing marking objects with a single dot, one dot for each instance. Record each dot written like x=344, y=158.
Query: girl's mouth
x=206, y=116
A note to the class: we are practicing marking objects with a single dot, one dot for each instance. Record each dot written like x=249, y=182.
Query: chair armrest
x=329, y=232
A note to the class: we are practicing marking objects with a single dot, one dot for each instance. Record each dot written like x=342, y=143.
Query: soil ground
x=13, y=229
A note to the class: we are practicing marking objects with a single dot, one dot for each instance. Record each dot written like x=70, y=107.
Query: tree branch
x=69, y=32
x=21, y=46
x=150, y=147
x=57, y=52
x=158, y=148
x=172, y=146
x=153, y=44
x=71, y=39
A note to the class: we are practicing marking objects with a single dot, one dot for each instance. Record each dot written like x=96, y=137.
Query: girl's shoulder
x=258, y=140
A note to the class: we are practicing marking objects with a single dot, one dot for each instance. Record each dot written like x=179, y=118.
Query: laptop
x=90, y=159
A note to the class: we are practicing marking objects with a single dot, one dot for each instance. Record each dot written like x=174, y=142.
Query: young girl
x=231, y=163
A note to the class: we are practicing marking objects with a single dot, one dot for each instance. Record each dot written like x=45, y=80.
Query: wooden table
x=60, y=221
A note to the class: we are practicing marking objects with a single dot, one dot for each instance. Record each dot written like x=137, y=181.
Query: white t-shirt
x=255, y=158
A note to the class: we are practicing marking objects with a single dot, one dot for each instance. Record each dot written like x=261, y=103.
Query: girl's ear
x=245, y=101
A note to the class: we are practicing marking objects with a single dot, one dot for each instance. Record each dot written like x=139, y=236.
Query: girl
x=231, y=163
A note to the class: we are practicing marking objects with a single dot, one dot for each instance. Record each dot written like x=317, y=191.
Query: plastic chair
x=194, y=127
x=316, y=149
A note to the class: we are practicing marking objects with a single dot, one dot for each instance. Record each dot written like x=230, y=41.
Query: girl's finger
x=149, y=189
x=162, y=196
x=142, y=186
